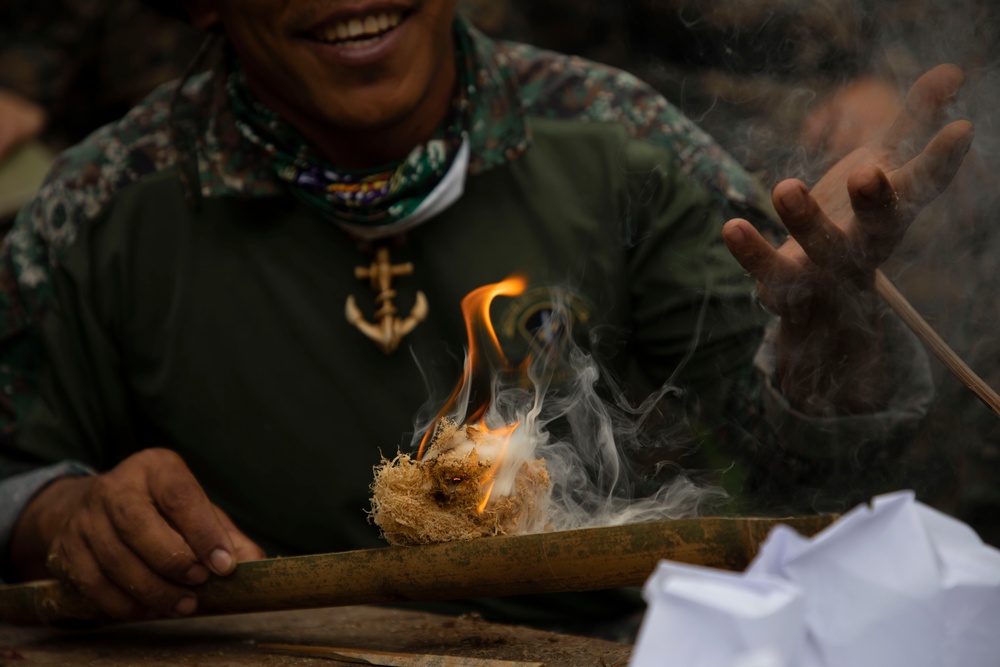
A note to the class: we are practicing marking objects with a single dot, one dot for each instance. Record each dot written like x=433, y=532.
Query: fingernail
x=198, y=574
x=735, y=234
x=221, y=561
x=967, y=140
x=186, y=606
x=794, y=201
x=872, y=189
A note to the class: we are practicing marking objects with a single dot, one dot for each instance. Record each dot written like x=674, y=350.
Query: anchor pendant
x=388, y=330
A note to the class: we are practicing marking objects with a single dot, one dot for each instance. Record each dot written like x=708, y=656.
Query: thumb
x=244, y=549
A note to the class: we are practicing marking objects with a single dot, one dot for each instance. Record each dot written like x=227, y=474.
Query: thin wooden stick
x=935, y=343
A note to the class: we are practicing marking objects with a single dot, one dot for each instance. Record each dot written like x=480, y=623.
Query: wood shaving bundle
x=438, y=498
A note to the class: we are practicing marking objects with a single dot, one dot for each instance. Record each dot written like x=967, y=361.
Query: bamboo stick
x=929, y=337
x=576, y=560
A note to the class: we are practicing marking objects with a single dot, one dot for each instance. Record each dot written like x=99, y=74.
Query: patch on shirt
x=541, y=321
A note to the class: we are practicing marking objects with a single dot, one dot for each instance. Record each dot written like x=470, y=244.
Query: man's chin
x=370, y=116
x=369, y=123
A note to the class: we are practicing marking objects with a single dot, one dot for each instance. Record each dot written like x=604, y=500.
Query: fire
x=490, y=479
x=467, y=479
x=489, y=464
x=485, y=357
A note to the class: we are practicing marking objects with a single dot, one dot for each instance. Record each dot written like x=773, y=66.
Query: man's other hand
x=821, y=280
x=133, y=540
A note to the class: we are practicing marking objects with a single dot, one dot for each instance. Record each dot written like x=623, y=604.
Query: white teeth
x=368, y=27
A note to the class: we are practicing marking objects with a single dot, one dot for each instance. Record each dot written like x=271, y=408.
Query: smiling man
x=362, y=82
x=183, y=391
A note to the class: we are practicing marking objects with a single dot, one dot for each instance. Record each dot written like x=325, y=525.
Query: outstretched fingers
x=930, y=172
x=755, y=254
x=881, y=220
x=926, y=104
x=814, y=234
x=819, y=253
x=823, y=242
x=779, y=273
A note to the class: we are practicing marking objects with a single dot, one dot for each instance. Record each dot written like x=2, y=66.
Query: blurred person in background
x=69, y=66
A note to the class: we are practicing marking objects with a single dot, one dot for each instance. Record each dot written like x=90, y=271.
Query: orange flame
x=485, y=358
x=490, y=479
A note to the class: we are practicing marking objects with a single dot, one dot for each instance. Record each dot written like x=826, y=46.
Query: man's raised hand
x=821, y=280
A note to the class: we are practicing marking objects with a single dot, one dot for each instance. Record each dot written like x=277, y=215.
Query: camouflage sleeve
x=567, y=87
x=34, y=389
x=23, y=298
x=24, y=274
x=81, y=182
x=796, y=462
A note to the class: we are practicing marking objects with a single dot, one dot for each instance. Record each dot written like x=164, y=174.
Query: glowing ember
x=460, y=490
x=470, y=478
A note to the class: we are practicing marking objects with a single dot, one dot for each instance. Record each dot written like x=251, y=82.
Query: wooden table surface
x=234, y=640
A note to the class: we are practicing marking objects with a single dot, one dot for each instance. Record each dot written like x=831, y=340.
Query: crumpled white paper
x=896, y=583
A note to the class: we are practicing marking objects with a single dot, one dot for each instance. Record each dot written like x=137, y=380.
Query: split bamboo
x=575, y=560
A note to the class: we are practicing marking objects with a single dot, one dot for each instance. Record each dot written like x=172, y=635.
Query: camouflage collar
x=498, y=132
x=227, y=164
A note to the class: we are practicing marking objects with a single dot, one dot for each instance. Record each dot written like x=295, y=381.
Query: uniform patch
x=541, y=321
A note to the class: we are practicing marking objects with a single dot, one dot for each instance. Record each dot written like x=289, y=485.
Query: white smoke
x=574, y=417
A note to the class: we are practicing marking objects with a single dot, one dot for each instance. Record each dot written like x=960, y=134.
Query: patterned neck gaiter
x=373, y=197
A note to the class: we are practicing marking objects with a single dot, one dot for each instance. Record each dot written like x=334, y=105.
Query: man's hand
x=20, y=120
x=821, y=280
x=132, y=540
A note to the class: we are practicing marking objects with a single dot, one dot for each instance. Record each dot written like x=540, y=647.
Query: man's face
x=341, y=64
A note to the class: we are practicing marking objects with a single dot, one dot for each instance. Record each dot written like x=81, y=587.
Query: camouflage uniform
x=88, y=61
x=166, y=287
